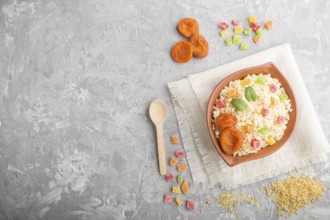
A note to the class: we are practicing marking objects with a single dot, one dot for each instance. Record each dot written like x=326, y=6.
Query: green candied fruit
x=259, y=32
x=228, y=41
x=263, y=130
x=244, y=46
x=236, y=39
x=260, y=80
x=179, y=179
x=283, y=97
x=247, y=31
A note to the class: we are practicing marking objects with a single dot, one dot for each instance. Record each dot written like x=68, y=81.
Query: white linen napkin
x=307, y=145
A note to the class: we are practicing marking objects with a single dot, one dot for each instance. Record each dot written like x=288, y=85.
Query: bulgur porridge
x=250, y=114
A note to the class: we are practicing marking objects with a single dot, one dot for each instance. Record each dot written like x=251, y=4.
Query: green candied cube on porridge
x=283, y=97
x=236, y=39
x=264, y=130
x=260, y=80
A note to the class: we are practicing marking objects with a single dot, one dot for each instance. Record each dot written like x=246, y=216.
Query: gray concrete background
x=77, y=77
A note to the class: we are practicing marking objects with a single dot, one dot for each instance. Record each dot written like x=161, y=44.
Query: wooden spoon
x=158, y=112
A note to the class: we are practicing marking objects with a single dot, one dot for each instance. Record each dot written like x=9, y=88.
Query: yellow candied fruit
x=176, y=189
x=272, y=101
x=223, y=33
x=185, y=187
x=238, y=30
x=173, y=161
x=182, y=167
x=269, y=25
x=232, y=93
x=251, y=19
x=270, y=140
x=245, y=82
x=174, y=139
x=178, y=201
x=248, y=129
x=257, y=39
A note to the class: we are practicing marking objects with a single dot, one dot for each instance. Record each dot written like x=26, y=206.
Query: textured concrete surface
x=77, y=77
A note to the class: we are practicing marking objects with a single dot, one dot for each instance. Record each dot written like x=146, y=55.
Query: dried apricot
x=201, y=47
x=225, y=120
x=231, y=140
x=182, y=52
x=188, y=27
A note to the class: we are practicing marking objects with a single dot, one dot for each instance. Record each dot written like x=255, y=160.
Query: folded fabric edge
x=194, y=165
x=315, y=159
x=176, y=90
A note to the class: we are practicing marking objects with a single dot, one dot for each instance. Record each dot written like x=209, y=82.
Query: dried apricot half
x=188, y=27
x=201, y=47
x=224, y=120
x=182, y=51
x=231, y=140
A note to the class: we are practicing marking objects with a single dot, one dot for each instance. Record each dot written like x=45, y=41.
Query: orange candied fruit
x=248, y=129
x=174, y=139
x=182, y=167
x=232, y=93
x=173, y=161
x=185, y=187
x=269, y=25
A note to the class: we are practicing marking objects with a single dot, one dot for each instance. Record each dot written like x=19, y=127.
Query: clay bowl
x=268, y=68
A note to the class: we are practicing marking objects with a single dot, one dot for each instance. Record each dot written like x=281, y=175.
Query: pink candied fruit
x=219, y=103
x=255, y=143
x=264, y=112
x=169, y=177
x=235, y=22
x=223, y=25
x=168, y=199
x=190, y=205
x=254, y=26
x=280, y=120
x=272, y=88
x=179, y=153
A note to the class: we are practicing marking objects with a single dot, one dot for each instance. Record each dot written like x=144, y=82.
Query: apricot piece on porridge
x=225, y=120
x=231, y=140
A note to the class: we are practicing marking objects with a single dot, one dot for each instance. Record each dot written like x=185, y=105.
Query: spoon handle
x=161, y=150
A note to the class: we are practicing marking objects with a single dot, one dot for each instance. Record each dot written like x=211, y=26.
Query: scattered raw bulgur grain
x=174, y=139
x=229, y=201
x=294, y=193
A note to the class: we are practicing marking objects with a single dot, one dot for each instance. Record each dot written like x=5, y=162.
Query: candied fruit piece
x=185, y=187
x=223, y=33
x=168, y=199
x=176, y=189
x=228, y=41
x=251, y=19
x=173, y=161
x=247, y=31
x=238, y=30
x=169, y=177
x=182, y=167
x=236, y=39
x=268, y=25
x=179, y=153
